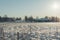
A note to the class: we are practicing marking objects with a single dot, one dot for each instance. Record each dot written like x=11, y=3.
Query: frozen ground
x=31, y=31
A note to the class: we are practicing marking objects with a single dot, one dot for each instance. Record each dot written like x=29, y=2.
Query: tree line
x=29, y=19
x=44, y=19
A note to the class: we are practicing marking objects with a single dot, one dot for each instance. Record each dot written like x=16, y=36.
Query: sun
x=55, y=5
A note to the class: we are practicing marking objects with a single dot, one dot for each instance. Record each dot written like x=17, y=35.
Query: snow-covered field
x=31, y=31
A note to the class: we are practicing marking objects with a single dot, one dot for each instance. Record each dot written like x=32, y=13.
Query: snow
x=33, y=31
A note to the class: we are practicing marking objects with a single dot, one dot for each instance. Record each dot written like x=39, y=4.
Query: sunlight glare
x=55, y=6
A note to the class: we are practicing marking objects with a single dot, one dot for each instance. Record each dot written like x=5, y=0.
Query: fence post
x=17, y=35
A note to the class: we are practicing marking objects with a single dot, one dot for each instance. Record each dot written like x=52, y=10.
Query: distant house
x=18, y=21
x=44, y=20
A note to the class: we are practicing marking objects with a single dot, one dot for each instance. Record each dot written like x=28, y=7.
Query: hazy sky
x=20, y=8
